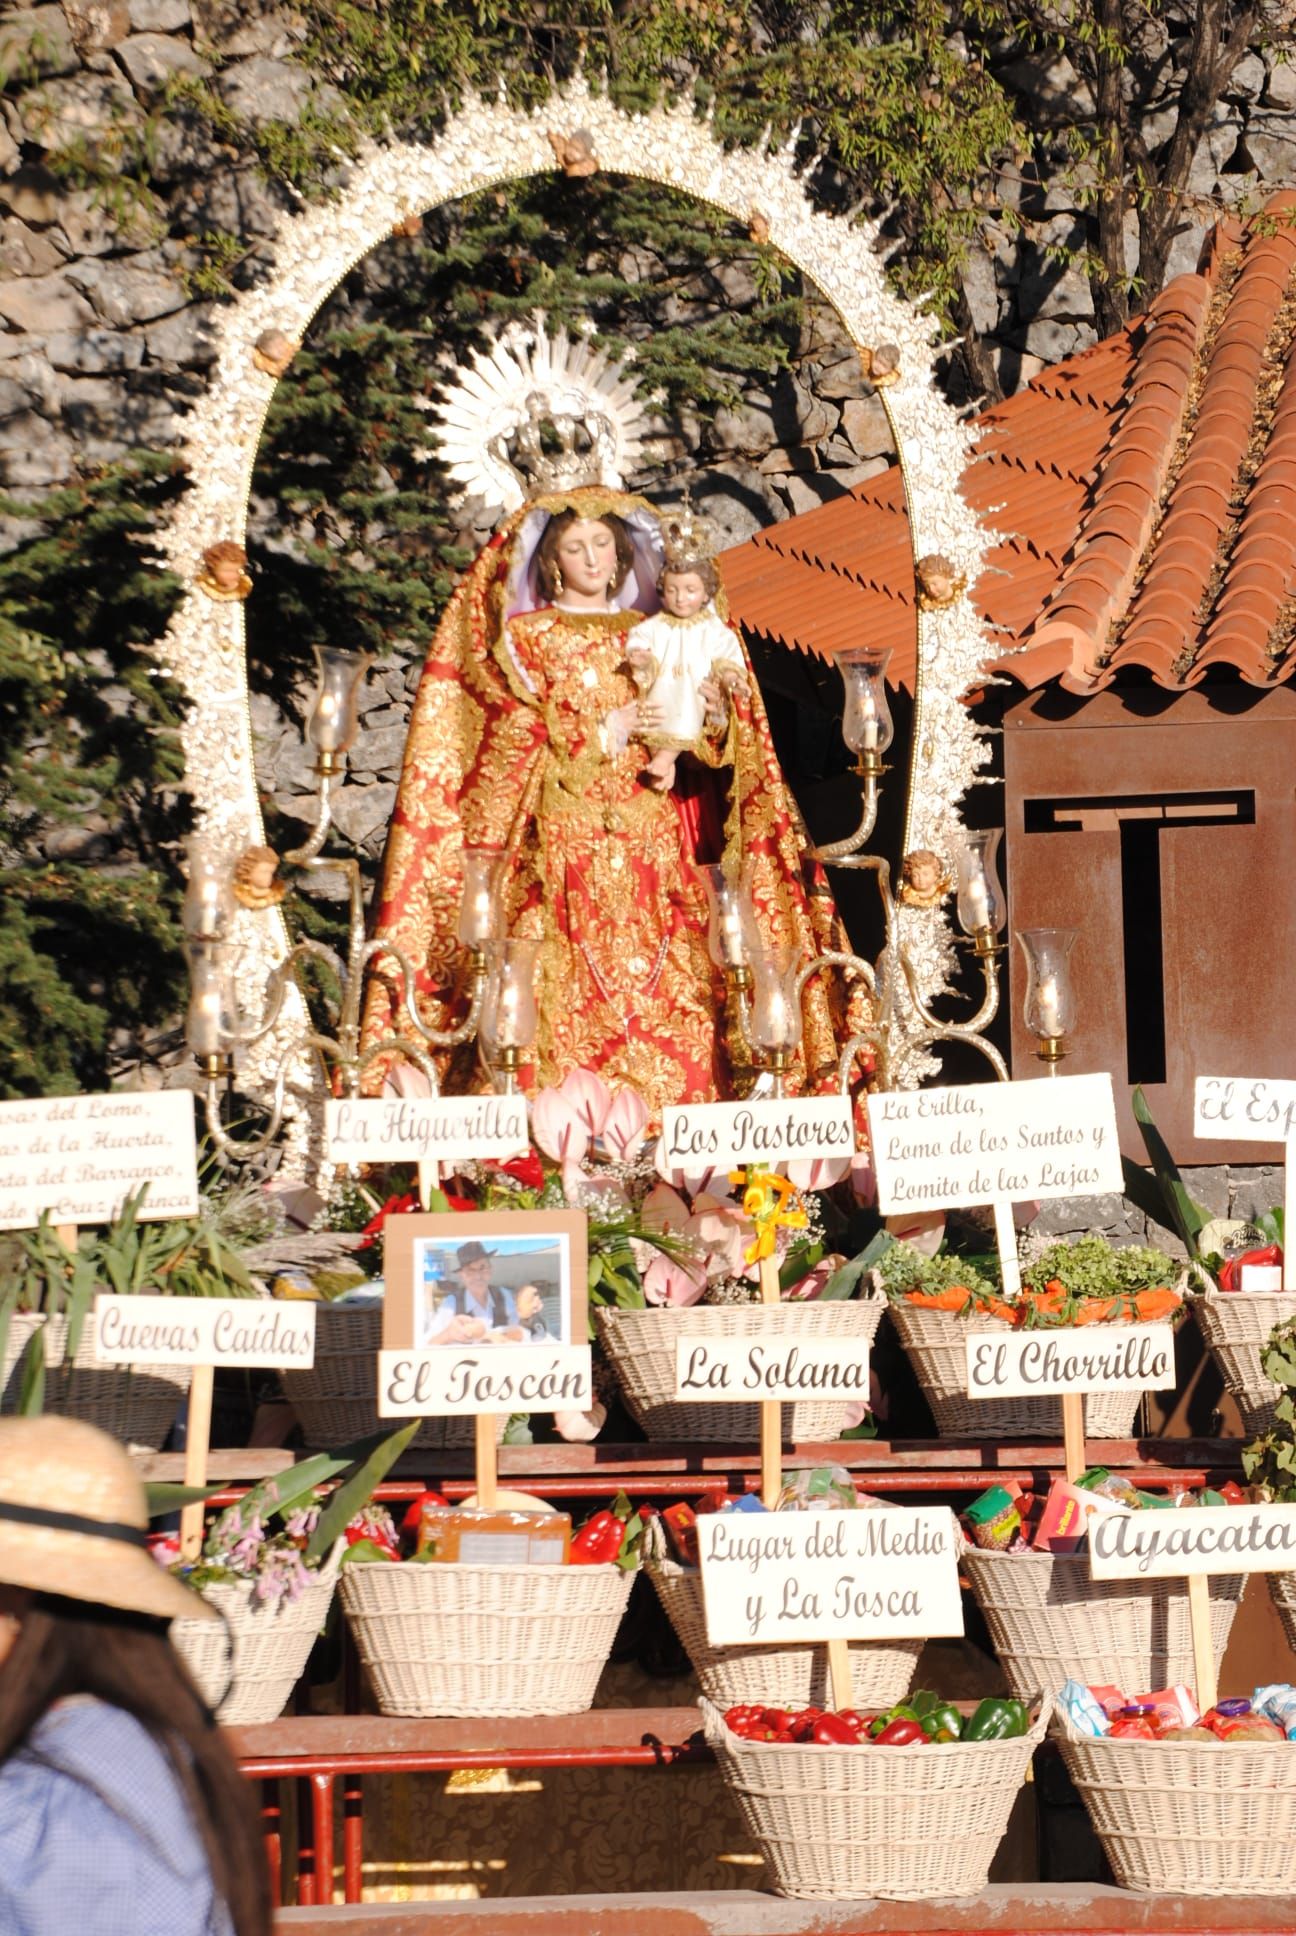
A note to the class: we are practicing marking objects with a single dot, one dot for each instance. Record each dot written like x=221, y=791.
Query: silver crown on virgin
x=538, y=414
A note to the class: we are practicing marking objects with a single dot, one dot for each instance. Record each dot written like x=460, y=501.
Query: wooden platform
x=1069, y=1909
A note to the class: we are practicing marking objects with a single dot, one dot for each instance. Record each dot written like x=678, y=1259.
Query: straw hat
x=74, y=1521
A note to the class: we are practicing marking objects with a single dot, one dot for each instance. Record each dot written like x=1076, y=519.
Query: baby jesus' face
x=683, y=593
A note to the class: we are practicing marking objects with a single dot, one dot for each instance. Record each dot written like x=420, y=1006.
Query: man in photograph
x=474, y=1311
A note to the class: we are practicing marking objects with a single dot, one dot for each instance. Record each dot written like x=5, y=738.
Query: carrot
x=1157, y=1303
x=952, y=1298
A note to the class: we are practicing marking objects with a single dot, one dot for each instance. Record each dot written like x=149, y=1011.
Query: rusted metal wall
x=1118, y=802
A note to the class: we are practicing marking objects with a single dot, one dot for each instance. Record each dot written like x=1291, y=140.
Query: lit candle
x=978, y=901
x=1049, y=1002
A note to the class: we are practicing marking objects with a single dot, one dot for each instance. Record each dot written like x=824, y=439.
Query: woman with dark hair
x=122, y=1811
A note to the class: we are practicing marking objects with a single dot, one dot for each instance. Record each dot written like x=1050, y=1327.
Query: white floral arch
x=486, y=144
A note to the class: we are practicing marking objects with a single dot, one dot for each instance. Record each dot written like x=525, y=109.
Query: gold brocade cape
x=505, y=750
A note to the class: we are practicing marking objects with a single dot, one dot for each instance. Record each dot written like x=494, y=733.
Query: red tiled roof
x=1144, y=493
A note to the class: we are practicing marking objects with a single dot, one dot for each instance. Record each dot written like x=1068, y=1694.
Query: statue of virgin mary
x=523, y=739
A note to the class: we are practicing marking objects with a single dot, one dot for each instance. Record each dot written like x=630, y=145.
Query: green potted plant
x=47, y=1329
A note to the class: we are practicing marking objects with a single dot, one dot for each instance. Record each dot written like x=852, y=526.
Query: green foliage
x=88, y=723
x=1163, y=1196
x=1091, y=1267
x=1270, y=1459
x=356, y=1491
x=904, y=1269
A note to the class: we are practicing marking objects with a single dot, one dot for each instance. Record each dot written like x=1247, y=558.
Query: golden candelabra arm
x=436, y=1038
x=846, y=853
x=934, y=1030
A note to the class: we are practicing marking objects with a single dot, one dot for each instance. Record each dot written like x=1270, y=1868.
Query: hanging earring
x=557, y=581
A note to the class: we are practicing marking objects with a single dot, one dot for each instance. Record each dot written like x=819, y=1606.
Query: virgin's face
x=587, y=557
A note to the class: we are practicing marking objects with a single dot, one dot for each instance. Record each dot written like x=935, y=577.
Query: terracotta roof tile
x=1101, y=574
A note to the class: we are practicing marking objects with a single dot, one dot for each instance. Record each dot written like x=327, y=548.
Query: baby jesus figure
x=681, y=657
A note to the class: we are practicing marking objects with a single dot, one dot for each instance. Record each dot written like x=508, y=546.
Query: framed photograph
x=490, y=1279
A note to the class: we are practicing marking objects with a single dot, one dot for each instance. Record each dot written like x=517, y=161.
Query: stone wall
x=1226, y=1190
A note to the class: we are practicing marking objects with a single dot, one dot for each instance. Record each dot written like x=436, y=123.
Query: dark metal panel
x=1229, y=974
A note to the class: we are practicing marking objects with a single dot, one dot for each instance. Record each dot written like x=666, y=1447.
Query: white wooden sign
x=458, y=1380
x=994, y=1141
x=1244, y=1109
x=77, y=1157
x=1254, y=1109
x=720, y=1135
x=436, y=1129
x=205, y=1331
x=732, y=1371
x=799, y=1576
x=1158, y=1545
x=1095, y=1357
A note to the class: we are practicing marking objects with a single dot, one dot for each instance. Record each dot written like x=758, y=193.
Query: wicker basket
x=336, y=1401
x=135, y=1403
x=861, y=1822
x=441, y=1638
x=1050, y=1622
x=270, y=1645
x=1191, y=1818
x=641, y=1347
x=881, y=1670
x=934, y=1342
x=1236, y=1326
x=1282, y=1591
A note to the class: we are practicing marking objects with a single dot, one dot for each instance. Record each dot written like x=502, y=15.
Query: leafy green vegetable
x=1092, y=1267
x=904, y=1269
x=1270, y=1459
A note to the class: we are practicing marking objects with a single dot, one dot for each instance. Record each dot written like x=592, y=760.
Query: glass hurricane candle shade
x=980, y=897
x=1049, y=1011
x=775, y=1008
x=208, y=904
x=481, y=917
x=732, y=932
x=212, y=1014
x=508, y=1014
x=335, y=718
x=867, y=726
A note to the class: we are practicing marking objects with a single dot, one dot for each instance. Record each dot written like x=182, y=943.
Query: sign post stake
x=1199, y=1622
x=771, y=1421
x=197, y=1444
x=487, y=1461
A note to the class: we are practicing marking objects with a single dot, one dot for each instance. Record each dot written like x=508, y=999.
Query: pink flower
x=623, y=1126
x=666, y=1282
x=568, y=1120
x=820, y=1173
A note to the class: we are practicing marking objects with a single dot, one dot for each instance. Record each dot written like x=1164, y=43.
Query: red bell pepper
x=902, y=1734
x=414, y=1511
x=599, y=1540
x=833, y=1731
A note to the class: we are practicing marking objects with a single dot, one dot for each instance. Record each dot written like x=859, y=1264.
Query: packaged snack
x=1172, y=1707
x=1111, y=1698
x=1084, y=1711
x=1105, y=1485
x=1065, y=1519
x=817, y=1489
x=494, y=1538
x=1133, y=1724
x=1278, y=1704
x=680, y=1524
x=993, y=1520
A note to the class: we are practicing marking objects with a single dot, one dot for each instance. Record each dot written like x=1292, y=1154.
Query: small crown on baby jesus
x=688, y=539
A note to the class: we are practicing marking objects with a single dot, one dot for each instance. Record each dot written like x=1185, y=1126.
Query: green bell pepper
x=997, y=1719
x=943, y=1722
